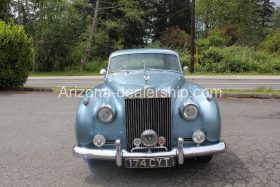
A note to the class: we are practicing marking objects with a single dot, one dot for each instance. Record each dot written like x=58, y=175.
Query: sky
x=277, y=2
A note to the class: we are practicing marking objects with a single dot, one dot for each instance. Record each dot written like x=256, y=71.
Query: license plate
x=160, y=162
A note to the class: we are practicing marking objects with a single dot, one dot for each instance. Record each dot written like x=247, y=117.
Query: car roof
x=133, y=51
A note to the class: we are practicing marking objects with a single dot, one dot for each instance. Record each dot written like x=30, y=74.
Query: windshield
x=148, y=61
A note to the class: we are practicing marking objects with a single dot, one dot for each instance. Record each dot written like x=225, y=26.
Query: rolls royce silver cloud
x=146, y=114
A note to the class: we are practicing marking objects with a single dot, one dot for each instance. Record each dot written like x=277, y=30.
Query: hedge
x=15, y=55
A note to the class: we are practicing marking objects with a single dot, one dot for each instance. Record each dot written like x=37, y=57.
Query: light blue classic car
x=146, y=115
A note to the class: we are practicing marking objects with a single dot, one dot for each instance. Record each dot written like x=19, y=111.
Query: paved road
x=234, y=82
x=37, y=134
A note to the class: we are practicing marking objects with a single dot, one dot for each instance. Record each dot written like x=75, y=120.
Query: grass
x=241, y=73
x=259, y=90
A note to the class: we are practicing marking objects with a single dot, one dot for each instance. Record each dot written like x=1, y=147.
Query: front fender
x=87, y=125
x=209, y=119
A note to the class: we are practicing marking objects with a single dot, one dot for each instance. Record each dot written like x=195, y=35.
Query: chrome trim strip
x=119, y=153
x=94, y=153
x=204, y=150
x=147, y=148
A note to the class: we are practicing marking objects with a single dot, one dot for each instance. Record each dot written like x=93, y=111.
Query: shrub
x=15, y=55
x=231, y=32
x=92, y=66
x=272, y=42
x=237, y=59
x=215, y=39
x=96, y=65
x=185, y=59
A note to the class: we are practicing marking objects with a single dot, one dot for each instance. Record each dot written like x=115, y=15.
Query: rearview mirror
x=102, y=72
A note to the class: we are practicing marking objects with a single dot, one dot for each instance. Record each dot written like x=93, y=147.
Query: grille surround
x=148, y=113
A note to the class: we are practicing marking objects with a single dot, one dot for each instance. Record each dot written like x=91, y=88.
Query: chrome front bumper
x=119, y=154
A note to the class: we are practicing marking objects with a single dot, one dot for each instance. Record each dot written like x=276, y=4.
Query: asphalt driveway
x=37, y=134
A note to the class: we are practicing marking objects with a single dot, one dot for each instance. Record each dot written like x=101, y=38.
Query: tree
x=239, y=13
x=57, y=31
x=91, y=33
x=276, y=19
x=4, y=10
x=171, y=13
x=121, y=24
x=205, y=11
x=265, y=11
x=175, y=38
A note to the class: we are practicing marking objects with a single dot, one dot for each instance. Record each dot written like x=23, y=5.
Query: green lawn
x=260, y=90
x=242, y=73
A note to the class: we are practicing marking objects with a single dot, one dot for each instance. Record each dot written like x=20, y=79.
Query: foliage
x=265, y=11
x=58, y=34
x=15, y=55
x=60, y=29
x=214, y=39
x=174, y=37
x=4, y=9
x=230, y=31
x=96, y=65
x=185, y=59
x=276, y=18
x=243, y=14
x=237, y=59
x=168, y=14
x=272, y=42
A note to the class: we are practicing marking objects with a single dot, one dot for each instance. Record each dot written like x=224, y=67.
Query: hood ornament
x=146, y=79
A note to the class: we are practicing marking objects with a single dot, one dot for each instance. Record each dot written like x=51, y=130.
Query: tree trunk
x=19, y=12
x=91, y=33
x=37, y=36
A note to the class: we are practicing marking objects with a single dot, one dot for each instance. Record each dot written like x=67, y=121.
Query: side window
x=171, y=63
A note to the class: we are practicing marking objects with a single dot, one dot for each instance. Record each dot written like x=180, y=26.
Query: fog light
x=99, y=140
x=161, y=141
x=137, y=142
x=198, y=137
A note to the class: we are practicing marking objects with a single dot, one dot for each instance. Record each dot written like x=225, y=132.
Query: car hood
x=136, y=80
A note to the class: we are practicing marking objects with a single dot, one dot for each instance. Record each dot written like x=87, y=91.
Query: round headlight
x=190, y=112
x=105, y=114
x=99, y=140
x=198, y=137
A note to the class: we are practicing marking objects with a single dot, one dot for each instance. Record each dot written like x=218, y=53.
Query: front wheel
x=95, y=164
x=90, y=162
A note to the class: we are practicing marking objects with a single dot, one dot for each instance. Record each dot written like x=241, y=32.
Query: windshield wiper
x=154, y=69
x=119, y=71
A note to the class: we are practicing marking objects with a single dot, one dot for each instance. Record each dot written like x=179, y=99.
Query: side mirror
x=185, y=68
x=102, y=72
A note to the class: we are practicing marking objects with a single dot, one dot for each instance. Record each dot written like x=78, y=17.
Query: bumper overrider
x=118, y=154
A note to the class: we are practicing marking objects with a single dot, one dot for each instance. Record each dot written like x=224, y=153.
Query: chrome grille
x=148, y=113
